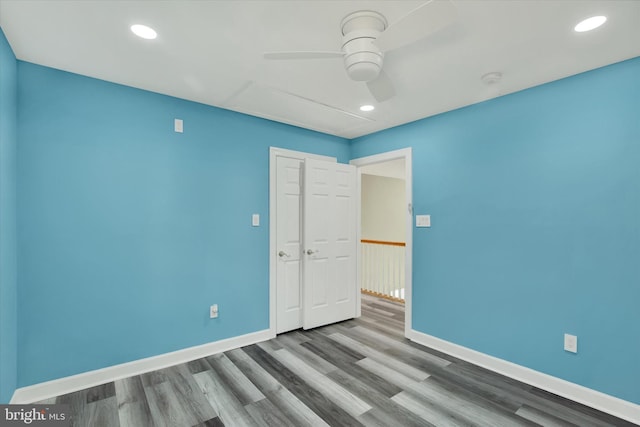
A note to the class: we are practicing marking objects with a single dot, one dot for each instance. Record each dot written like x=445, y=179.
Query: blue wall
x=535, y=205
x=128, y=231
x=8, y=278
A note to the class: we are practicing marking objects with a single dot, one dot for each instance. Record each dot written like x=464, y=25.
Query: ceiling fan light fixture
x=144, y=32
x=362, y=59
x=590, y=24
x=367, y=107
x=363, y=71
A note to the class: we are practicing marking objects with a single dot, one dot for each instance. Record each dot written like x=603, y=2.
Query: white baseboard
x=46, y=390
x=603, y=402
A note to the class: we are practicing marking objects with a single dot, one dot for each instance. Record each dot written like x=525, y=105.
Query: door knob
x=283, y=253
x=311, y=252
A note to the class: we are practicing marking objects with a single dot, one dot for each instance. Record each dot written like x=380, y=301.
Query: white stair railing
x=382, y=266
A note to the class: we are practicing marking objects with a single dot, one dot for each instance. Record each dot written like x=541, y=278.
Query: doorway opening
x=385, y=262
x=383, y=231
x=276, y=260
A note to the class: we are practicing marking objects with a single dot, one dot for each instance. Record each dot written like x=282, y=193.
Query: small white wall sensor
x=177, y=125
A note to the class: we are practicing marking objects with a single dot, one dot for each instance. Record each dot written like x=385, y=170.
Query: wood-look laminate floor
x=354, y=373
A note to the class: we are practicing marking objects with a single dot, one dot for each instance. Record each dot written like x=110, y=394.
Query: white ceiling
x=211, y=52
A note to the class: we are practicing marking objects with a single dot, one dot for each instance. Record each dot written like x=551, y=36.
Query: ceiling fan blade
x=418, y=24
x=382, y=87
x=303, y=55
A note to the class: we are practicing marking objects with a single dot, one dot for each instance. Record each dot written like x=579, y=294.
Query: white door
x=329, y=290
x=288, y=244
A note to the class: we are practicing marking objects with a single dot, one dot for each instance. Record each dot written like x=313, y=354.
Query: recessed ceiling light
x=367, y=108
x=144, y=31
x=590, y=24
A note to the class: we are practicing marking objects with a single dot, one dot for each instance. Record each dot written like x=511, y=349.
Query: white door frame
x=274, y=153
x=405, y=154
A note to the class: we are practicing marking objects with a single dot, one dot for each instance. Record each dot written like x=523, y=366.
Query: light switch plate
x=177, y=125
x=423, y=220
x=255, y=220
x=571, y=343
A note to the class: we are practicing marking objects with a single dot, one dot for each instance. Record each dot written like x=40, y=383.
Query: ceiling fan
x=366, y=37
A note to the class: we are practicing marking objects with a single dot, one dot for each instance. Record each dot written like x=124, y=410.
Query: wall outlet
x=213, y=311
x=571, y=343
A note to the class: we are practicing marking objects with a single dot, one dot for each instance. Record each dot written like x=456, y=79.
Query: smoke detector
x=491, y=78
